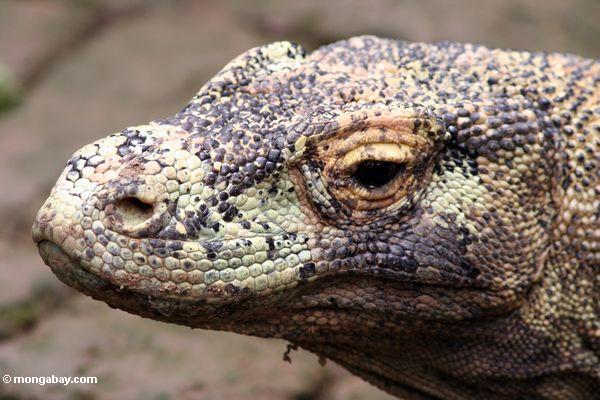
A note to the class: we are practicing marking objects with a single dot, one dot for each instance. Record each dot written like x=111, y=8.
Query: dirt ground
x=72, y=71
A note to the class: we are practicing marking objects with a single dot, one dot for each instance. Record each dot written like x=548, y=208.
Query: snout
x=59, y=220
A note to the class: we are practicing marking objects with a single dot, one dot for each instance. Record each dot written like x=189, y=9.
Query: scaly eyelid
x=391, y=152
x=337, y=147
x=344, y=153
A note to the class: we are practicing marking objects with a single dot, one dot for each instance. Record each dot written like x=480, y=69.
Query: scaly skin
x=460, y=262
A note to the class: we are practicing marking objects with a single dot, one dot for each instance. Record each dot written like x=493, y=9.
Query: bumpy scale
x=426, y=215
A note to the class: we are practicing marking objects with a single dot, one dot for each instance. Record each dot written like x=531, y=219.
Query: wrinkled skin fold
x=426, y=215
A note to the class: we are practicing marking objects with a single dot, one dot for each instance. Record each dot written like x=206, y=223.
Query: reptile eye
x=374, y=173
x=375, y=168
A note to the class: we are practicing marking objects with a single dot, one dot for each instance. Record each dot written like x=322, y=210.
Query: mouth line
x=71, y=270
x=211, y=310
x=74, y=270
x=195, y=312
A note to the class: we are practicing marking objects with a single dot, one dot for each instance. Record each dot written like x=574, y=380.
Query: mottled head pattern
x=424, y=214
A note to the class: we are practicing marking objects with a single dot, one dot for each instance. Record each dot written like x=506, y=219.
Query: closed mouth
x=66, y=268
x=70, y=272
x=190, y=312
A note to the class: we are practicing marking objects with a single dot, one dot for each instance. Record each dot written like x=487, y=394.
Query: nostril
x=132, y=211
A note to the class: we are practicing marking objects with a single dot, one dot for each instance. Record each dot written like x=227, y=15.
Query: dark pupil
x=373, y=174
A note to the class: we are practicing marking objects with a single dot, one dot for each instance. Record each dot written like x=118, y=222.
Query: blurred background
x=72, y=71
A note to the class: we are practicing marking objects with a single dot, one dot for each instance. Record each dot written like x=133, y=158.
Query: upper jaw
x=82, y=256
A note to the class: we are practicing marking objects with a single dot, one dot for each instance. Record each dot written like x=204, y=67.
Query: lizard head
x=365, y=186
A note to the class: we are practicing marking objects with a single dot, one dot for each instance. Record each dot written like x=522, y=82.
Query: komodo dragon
x=425, y=215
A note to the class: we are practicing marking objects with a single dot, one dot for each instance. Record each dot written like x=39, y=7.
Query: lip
x=70, y=272
x=66, y=268
x=53, y=255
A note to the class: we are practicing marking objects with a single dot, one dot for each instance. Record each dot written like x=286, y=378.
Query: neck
x=460, y=361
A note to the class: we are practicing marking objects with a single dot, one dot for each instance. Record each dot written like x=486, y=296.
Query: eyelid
x=374, y=135
x=392, y=152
